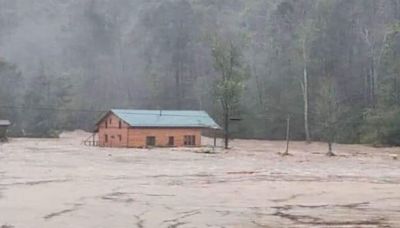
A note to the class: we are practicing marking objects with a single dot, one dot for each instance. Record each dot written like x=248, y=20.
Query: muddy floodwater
x=60, y=183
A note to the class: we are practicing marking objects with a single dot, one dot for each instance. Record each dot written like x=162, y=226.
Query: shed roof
x=5, y=123
x=165, y=118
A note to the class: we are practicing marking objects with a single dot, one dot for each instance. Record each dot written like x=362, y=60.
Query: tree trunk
x=260, y=90
x=330, y=151
x=306, y=109
x=373, y=82
x=178, y=87
x=396, y=90
x=226, y=128
x=305, y=95
x=372, y=74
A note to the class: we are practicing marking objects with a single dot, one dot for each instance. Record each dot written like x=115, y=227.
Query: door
x=171, y=141
x=150, y=141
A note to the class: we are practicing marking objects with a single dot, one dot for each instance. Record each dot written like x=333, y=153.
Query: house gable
x=110, y=120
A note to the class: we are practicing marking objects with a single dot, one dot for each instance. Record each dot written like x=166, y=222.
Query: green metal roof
x=166, y=118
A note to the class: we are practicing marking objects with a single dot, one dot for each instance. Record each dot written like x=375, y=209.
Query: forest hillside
x=332, y=66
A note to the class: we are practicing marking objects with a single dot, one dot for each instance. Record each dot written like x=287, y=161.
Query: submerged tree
x=229, y=87
x=328, y=113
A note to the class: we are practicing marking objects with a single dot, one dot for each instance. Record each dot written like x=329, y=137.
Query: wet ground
x=47, y=183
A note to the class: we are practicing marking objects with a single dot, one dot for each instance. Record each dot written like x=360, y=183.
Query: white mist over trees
x=81, y=57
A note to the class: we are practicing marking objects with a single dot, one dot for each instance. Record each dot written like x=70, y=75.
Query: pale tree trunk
x=305, y=95
x=374, y=63
x=306, y=109
x=178, y=96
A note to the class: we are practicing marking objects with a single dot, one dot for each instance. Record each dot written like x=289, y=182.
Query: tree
x=297, y=17
x=156, y=54
x=292, y=34
x=46, y=99
x=381, y=126
x=170, y=48
x=229, y=87
x=328, y=113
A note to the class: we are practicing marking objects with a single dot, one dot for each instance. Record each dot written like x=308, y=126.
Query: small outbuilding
x=153, y=128
x=4, y=124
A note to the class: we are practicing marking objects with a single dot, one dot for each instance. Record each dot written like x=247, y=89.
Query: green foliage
x=382, y=127
x=228, y=63
x=382, y=124
x=350, y=125
x=45, y=99
x=158, y=54
x=328, y=111
x=229, y=87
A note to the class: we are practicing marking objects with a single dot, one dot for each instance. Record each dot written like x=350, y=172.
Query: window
x=112, y=136
x=120, y=124
x=106, y=138
x=189, y=140
x=171, y=141
x=150, y=141
x=106, y=124
x=120, y=137
x=110, y=121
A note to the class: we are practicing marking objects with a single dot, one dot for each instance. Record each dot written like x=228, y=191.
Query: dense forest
x=333, y=66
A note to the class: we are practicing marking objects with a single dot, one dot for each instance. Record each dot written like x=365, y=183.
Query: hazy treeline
x=329, y=64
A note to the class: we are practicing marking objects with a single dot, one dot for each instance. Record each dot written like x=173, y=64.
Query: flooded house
x=153, y=128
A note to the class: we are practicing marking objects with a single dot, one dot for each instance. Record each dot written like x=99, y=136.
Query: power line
x=51, y=109
x=159, y=113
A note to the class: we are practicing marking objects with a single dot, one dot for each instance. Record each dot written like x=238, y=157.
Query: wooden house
x=152, y=128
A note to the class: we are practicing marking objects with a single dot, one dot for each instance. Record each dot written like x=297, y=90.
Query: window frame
x=189, y=140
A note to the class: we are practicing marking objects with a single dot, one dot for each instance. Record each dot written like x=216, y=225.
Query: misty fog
x=331, y=65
